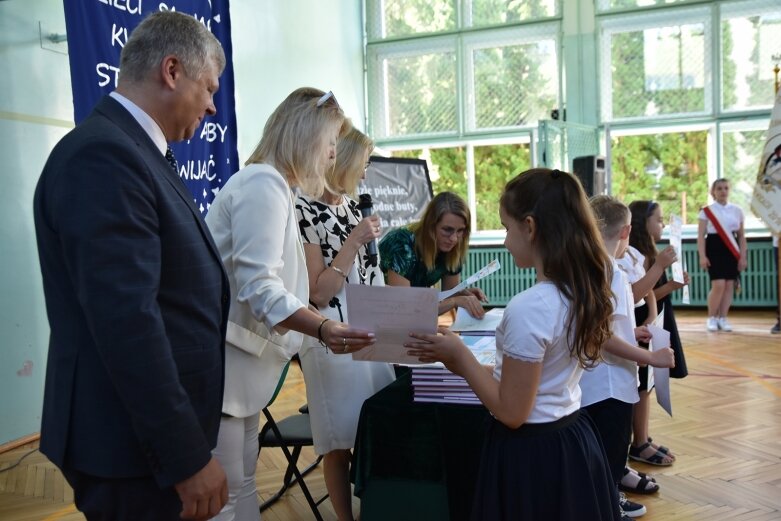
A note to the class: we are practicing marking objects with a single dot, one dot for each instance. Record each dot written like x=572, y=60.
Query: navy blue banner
x=97, y=31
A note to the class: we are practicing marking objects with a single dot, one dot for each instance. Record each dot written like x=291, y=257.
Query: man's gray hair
x=164, y=33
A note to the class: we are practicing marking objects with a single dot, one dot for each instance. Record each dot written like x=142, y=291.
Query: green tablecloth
x=416, y=461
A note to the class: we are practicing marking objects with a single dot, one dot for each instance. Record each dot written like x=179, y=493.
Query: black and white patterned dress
x=329, y=225
x=336, y=385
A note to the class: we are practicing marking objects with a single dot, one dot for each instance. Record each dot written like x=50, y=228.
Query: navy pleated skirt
x=545, y=472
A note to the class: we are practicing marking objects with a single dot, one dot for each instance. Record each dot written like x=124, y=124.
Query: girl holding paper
x=431, y=250
x=647, y=227
x=541, y=458
x=721, y=243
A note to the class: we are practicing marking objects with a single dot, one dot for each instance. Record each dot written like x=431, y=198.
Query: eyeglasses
x=325, y=97
x=449, y=231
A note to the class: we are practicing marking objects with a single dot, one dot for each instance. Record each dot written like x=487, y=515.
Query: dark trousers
x=613, y=420
x=123, y=499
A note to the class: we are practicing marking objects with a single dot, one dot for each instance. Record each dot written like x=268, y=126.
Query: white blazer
x=254, y=226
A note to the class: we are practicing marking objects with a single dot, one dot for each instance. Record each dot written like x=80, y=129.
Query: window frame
x=607, y=26
x=726, y=11
x=526, y=137
x=505, y=37
x=376, y=60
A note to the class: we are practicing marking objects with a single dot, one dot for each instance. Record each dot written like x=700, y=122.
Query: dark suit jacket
x=137, y=300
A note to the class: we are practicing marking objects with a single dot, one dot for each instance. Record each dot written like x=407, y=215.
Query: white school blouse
x=533, y=329
x=633, y=265
x=615, y=377
x=730, y=216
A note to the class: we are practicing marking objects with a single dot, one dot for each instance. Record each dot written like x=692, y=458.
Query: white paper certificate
x=391, y=313
x=481, y=274
x=675, y=241
x=661, y=340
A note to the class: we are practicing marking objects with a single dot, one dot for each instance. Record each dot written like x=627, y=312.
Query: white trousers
x=237, y=452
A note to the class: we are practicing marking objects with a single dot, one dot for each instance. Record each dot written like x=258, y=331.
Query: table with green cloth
x=416, y=461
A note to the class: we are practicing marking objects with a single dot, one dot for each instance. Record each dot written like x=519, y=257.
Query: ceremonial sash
x=728, y=238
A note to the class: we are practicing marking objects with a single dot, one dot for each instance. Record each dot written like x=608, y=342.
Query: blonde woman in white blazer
x=254, y=226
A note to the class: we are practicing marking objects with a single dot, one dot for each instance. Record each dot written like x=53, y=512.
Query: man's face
x=195, y=100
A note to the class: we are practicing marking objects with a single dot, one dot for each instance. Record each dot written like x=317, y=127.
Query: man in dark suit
x=136, y=294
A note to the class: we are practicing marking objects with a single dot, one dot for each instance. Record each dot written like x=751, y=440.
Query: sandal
x=657, y=458
x=642, y=485
x=649, y=477
x=661, y=448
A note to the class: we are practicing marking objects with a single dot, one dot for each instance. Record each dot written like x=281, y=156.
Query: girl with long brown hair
x=541, y=457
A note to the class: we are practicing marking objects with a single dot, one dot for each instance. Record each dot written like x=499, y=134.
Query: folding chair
x=289, y=434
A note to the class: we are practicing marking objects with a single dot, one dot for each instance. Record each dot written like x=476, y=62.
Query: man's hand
x=204, y=493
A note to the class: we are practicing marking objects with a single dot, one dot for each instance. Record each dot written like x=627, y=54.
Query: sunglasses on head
x=325, y=97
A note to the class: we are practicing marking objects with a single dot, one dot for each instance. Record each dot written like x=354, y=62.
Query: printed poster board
x=400, y=189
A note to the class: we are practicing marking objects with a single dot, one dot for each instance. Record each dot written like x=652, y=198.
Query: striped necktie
x=169, y=156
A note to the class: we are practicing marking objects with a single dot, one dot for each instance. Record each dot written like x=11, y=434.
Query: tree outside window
x=670, y=168
x=494, y=166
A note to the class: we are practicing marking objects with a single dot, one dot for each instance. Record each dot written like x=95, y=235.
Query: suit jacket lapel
x=115, y=112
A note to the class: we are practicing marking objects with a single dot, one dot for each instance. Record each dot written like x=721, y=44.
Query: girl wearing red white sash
x=721, y=243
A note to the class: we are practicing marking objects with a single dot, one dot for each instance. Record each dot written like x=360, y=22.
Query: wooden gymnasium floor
x=726, y=433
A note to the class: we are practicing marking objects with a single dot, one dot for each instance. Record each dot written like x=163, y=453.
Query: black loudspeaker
x=591, y=172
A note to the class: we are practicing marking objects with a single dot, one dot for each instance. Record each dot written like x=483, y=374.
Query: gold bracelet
x=340, y=272
x=320, y=333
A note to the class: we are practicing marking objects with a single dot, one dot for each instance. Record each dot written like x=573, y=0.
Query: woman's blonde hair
x=351, y=154
x=295, y=136
x=574, y=258
x=425, y=231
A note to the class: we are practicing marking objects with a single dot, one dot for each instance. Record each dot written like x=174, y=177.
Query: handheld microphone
x=367, y=208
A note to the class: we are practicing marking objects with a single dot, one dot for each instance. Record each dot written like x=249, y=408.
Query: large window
x=676, y=166
x=741, y=144
x=458, y=85
x=416, y=86
x=708, y=69
x=401, y=18
x=489, y=164
x=683, y=87
x=750, y=38
x=462, y=84
x=659, y=64
x=656, y=65
x=512, y=77
x=670, y=167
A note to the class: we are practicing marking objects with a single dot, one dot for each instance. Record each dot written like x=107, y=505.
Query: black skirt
x=668, y=316
x=680, y=370
x=641, y=314
x=723, y=265
x=553, y=472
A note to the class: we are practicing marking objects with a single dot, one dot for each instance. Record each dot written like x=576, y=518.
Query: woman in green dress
x=433, y=250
